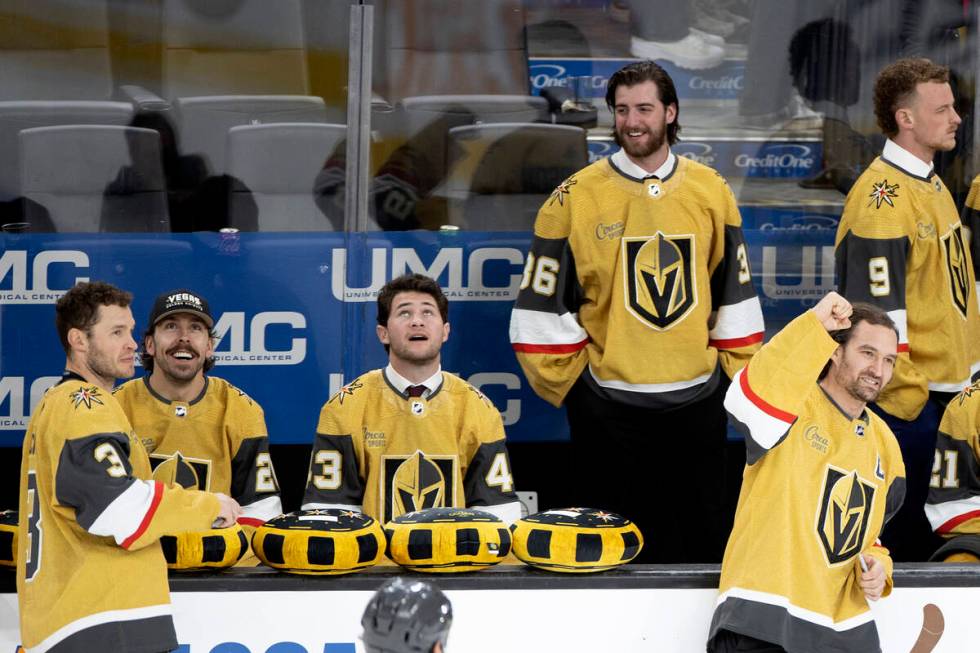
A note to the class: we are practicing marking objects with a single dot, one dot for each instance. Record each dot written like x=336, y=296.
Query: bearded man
x=636, y=307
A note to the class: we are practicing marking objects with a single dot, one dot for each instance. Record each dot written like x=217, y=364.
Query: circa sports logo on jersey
x=659, y=269
x=845, y=511
x=417, y=481
x=956, y=266
x=177, y=469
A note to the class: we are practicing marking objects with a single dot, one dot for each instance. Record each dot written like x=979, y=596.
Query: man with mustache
x=901, y=246
x=635, y=309
x=200, y=431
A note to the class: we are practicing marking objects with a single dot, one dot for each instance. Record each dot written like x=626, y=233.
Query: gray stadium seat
x=90, y=178
x=227, y=48
x=16, y=116
x=278, y=165
x=203, y=122
x=500, y=174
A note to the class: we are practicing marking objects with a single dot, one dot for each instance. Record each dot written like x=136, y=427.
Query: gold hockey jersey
x=817, y=488
x=900, y=245
x=385, y=453
x=90, y=573
x=645, y=282
x=953, y=506
x=218, y=442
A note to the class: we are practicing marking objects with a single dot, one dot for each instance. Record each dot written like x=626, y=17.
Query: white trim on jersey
x=124, y=516
x=649, y=388
x=99, y=618
x=810, y=616
x=976, y=287
x=327, y=506
x=263, y=509
x=901, y=320
x=541, y=328
x=957, y=386
x=506, y=512
x=765, y=428
x=941, y=513
x=735, y=321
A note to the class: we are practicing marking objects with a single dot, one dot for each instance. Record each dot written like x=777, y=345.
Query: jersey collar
x=624, y=166
x=400, y=384
x=68, y=375
x=160, y=397
x=904, y=160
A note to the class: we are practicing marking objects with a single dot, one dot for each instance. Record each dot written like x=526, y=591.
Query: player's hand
x=873, y=580
x=229, y=511
x=833, y=311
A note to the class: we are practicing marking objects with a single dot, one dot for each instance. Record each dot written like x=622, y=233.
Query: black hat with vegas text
x=180, y=301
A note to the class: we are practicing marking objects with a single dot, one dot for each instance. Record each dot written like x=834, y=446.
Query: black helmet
x=406, y=616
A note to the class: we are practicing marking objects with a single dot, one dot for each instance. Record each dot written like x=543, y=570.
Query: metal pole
x=359, y=117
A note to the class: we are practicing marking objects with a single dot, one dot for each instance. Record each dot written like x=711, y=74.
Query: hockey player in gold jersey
x=200, y=431
x=90, y=573
x=901, y=246
x=636, y=307
x=823, y=474
x=411, y=436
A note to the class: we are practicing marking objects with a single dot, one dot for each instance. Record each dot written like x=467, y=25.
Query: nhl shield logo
x=659, y=272
x=845, y=512
x=417, y=407
x=956, y=265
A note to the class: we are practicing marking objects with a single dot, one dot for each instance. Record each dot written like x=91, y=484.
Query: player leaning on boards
x=823, y=474
x=901, y=247
x=636, y=307
x=411, y=436
x=200, y=431
x=90, y=573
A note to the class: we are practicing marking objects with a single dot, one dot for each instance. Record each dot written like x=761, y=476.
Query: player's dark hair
x=647, y=71
x=147, y=359
x=410, y=283
x=860, y=312
x=895, y=86
x=79, y=307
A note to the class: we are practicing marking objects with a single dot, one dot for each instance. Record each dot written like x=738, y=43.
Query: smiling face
x=641, y=123
x=108, y=349
x=180, y=345
x=861, y=369
x=415, y=330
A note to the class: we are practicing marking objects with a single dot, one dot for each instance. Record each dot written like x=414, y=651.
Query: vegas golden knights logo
x=177, y=469
x=956, y=265
x=660, y=288
x=845, y=512
x=416, y=482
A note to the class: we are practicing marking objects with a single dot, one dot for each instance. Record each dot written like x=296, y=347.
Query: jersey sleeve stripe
x=735, y=343
x=259, y=512
x=529, y=327
x=506, y=512
x=946, y=516
x=738, y=321
x=766, y=424
x=157, y=494
x=125, y=518
x=338, y=506
x=550, y=349
x=900, y=318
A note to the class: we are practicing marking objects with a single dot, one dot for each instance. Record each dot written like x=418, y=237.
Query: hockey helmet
x=406, y=616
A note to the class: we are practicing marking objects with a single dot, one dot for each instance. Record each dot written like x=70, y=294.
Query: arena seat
x=88, y=178
x=278, y=164
x=18, y=115
x=500, y=174
x=203, y=122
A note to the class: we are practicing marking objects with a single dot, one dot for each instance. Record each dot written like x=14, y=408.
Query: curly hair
x=895, y=87
x=79, y=307
x=647, y=71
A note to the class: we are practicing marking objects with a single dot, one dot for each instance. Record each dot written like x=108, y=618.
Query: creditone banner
x=295, y=313
x=489, y=621
x=733, y=157
x=587, y=78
